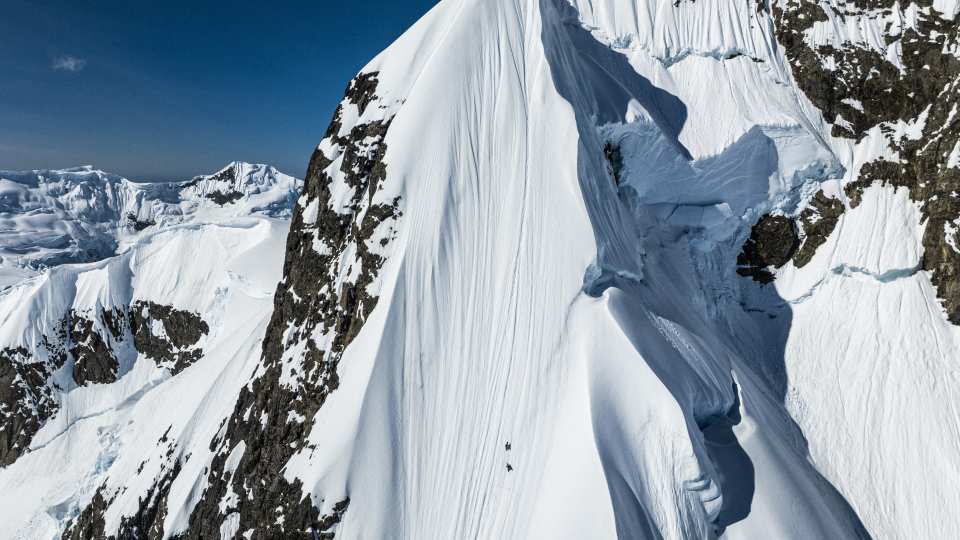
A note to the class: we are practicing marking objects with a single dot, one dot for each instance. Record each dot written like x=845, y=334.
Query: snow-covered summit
x=256, y=187
x=652, y=269
x=52, y=217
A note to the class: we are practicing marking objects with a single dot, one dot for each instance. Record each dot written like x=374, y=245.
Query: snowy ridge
x=90, y=344
x=51, y=217
x=619, y=268
x=254, y=188
x=113, y=428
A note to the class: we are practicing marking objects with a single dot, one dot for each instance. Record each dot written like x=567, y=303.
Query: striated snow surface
x=559, y=344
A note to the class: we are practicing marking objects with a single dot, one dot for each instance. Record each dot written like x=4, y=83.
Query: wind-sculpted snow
x=53, y=217
x=559, y=269
x=93, y=352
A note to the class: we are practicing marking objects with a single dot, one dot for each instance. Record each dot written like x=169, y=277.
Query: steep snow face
x=559, y=269
x=52, y=217
x=871, y=359
x=542, y=337
x=180, y=317
x=101, y=360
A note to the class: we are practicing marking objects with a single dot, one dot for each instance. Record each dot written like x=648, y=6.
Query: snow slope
x=111, y=429
x=559, y=269
x=209, y=263
x=51, y=217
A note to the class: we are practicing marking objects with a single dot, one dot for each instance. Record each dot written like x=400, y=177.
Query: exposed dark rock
x=137, y=224
x=937, y=188
x=174, y=347
x=928, y=85
x=94, y=360
x=817, y=221
x=27, y=396
x=362, y=90
x=614, y=159
x=115, y=320
x=26, y=402
x=89, y=525
x=191, y=183
x=169, y=337
x=227, y=175
x=220, y=197
x=327, y=523
x=861, y=73
x=94, y=342
x=56, y=345
x=147, y=523
x=274, y=414
x=224, y=198
x=773, y=242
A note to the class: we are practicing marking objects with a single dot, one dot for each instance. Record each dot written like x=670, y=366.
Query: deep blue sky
x=166, y=90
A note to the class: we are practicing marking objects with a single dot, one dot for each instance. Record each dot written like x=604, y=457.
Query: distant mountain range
x=638, y=269
x=52, y=217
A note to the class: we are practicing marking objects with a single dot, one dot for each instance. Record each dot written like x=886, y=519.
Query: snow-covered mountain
x=52, y=217
x=559, y=269
x=101, y=271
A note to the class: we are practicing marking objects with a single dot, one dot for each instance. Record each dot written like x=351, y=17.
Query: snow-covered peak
x=234, y=181
x=54, y=216
x=81, y=191
x=240, y=189
x=560, y=269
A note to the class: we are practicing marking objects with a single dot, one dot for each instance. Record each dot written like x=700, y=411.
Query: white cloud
x=68, y=63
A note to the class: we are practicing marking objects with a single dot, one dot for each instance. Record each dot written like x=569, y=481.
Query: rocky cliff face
x=333, y=258
x=26, y=402
x=618, y=268
x=896, y=80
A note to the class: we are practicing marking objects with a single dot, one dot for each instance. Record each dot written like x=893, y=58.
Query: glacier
x=557, y=269
x=52, y=217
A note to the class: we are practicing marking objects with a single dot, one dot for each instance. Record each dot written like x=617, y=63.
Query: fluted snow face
x=517, y=303
x=549, y=357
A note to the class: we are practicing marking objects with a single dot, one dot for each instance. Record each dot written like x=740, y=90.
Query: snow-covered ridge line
x=537, y=286
x=51, y=217
x=107, y=341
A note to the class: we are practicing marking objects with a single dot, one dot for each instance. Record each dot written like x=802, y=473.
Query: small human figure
x=508, y=446
x=509, y=468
